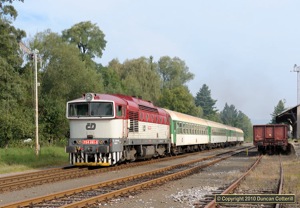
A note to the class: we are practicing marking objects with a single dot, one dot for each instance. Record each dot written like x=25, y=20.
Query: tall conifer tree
x=204, y=100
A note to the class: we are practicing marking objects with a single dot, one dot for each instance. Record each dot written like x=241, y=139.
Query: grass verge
x=20, y=159
x=291, y=171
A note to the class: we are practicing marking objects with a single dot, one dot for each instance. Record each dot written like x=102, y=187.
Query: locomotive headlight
x=88, y=97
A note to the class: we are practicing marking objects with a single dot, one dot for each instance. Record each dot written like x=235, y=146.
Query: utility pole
x=37, y=145
x=297, y=69
x=34, y=53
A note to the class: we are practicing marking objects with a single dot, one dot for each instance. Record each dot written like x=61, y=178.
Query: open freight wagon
x=271, y=138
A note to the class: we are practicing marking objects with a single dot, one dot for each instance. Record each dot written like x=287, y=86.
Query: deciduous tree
x=88, y=38
x=64, y=77
x=181, y=100
x=9, y=35
x=15, y=115
x=173, y=72
x=139, y=77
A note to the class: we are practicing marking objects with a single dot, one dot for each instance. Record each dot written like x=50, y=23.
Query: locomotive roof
x=134, y=103
x=139, y=103
x=106, y=97
x=136, y=100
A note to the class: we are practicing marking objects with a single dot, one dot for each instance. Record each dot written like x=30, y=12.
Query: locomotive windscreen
x=92, y=109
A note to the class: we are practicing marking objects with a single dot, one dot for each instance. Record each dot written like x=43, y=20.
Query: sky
x=243, y=50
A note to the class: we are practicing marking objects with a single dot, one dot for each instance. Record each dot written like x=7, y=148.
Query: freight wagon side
x=270, y=138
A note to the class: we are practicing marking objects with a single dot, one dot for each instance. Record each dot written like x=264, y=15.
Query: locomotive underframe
x=114, y=151
x=133, y=149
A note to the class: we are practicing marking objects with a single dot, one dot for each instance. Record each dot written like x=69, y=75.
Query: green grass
x=291, y=171
x=24, y=158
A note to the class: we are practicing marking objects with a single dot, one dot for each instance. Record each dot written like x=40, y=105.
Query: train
x=271, y=138
x=107, y=129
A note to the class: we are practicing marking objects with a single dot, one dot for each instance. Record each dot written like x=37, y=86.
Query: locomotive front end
x=96, y=130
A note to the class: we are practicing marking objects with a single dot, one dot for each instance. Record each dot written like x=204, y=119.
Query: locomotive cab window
x=78, y=109
x=103, y=109
x=94, y=109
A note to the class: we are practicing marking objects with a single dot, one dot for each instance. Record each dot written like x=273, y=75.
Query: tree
x=181, y=100
x=173, y=72
x=229, y=115
x=15, y=116
x=138, y=77
x=111, y=80
x=88, y=37
x=204, y=100
x=233, y=117
x=64, y=77
x=277, y=110
x=53, y=122
x=9, y=35
x=244, y=123
x=8, y=12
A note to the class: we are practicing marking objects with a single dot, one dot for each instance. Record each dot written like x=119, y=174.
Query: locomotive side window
x=119, y=110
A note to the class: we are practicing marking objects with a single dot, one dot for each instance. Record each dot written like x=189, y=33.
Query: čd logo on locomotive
x=90, y=126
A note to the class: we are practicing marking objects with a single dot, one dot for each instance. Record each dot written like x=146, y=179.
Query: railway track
x=11, y=183
x=266, y=179
x=21, y=181
x=94, y=194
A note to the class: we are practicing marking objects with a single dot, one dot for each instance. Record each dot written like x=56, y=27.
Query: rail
x=103, y=191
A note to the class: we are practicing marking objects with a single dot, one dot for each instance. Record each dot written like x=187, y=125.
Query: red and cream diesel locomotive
x=107, y=129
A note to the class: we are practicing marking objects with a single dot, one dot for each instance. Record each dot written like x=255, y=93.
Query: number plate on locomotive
x=90, y=141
